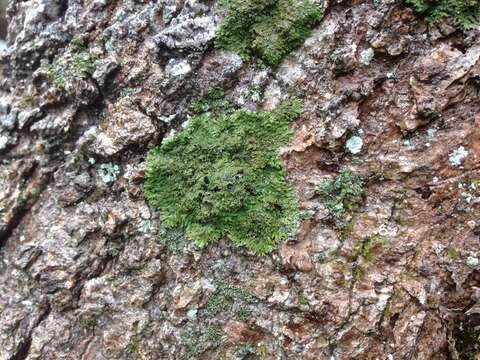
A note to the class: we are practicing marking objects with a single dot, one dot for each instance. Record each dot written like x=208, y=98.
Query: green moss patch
x=341, y=195
x=229, y=300
x=222, y=176
x=78, y=64
x=214, y=102
x=467, y=338
x=269, y=29
x=465, y=13
x=197, y=342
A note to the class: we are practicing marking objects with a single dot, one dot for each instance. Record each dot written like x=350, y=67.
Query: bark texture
x=87, y=273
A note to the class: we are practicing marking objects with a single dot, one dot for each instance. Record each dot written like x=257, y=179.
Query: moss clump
x=370, y=245
x=173, y=240
x=230, y=299
x=452, y=253
x=88, y=323
x=301, y=298
x=212, y=102
x=269, y=29
x=387, y=311
x=465, y=13
x=224, y=177
x=467, y=338
x=341, y=195
x=56, y=75
x=116, y=246
x=27, y=101
x=196, y=342
x=79, y=64
x=84, y=64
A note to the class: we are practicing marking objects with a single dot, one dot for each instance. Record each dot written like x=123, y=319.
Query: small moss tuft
x=84, y=64
x=230, y=299
x=88, y=323
x=269, y=29
x=466, y=334
x=78, y=65
x=196, y=342
x=452, y=253
x=224, y=177
x=55, y=74
x=212, y=102
x=173, y=240
x=301, y=298
x=83, y=59
x=341, y=195
x=465, y=13
x=370, y=245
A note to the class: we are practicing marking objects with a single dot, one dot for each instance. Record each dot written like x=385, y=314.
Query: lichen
x=173, y=240
x=366, y=57
x=269, y=29
x=108, y=172
x=456, y=157
x=472, y=261
x=144, y=226
x=244, y=350
x=354, y=144
x=224, y=177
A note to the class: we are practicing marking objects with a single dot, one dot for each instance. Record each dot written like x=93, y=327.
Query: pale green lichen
x=354, y=144
x=196, y=342
x=366, y=56
x=108, y=172
x=230, y=299
x=144, y=226
x=472, y=261
x=457, y=156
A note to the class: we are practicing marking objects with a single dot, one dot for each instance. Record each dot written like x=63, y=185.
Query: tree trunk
x=88, y=272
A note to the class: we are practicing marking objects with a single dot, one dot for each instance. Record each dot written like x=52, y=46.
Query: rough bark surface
x=83, y=271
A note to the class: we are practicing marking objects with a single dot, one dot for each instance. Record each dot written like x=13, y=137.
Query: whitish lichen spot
x=354, y=144
x=457, y=156
x=366, y=57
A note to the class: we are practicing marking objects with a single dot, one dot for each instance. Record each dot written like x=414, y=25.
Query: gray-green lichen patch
x=457, y=156
x=108, y=172
x=354, y=144
x=366, y=56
